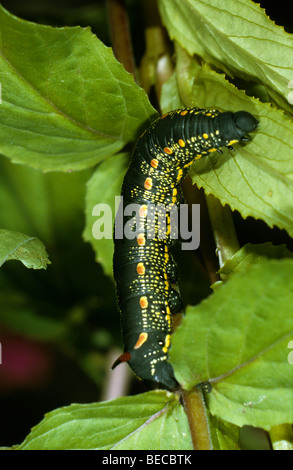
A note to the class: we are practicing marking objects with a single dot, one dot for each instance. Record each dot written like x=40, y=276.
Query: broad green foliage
x=66, y=102
x=17, y=246
x=99, y=191
x=126, y=423
x=251, y=254
x=236, y=36
x=238, y=340
x=48, y=206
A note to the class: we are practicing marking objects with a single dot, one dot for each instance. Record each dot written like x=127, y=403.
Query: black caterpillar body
x=144, y=269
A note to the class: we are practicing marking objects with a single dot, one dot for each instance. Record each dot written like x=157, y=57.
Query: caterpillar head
x=235, y=126
x=244, y=123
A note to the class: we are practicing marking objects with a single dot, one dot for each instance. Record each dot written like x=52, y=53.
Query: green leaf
x=18, y=246
x=251, y=254
x=225, y=436
x=238, y=340
x=257, y=178
x=153, y=420
x=102, y=188
x=235, y=36
x=49, y=206
x=66, y=101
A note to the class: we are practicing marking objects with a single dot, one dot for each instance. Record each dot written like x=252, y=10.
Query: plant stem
x=120, y=34
x=223, y=229
x=156, y=65
x=208, y=259
x=282, y=437
x=198, y=423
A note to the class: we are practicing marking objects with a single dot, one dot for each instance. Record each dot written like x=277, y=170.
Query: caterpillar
x=144, y=269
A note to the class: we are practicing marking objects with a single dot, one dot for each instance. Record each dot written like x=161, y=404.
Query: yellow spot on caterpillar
x=168, y=225
x=141, y=239
x=181, y=143
x=198, y=156
x=143, y=210
x=168, y=319
x=140, y=268
x=148, y=183
x=166, y=254
x=184, y=112
x=154, y=163
x=168, y=150
x=212, y=150
x=205, y=136
x=141, y=339
x=188, y=164
x=179, y=175
x=174, y=198
x=167, y=343
x=143, y=302
x=208, y=114
x=232, y=142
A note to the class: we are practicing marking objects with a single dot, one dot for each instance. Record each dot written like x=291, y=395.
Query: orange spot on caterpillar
x=143, y=210
x=140, y=269
x=154, y=163
x=148, y=183
x=168, y=150
x=141, y=239
x=183, y=112
x=141, y=339
x=143, y=302
x=181, y=143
